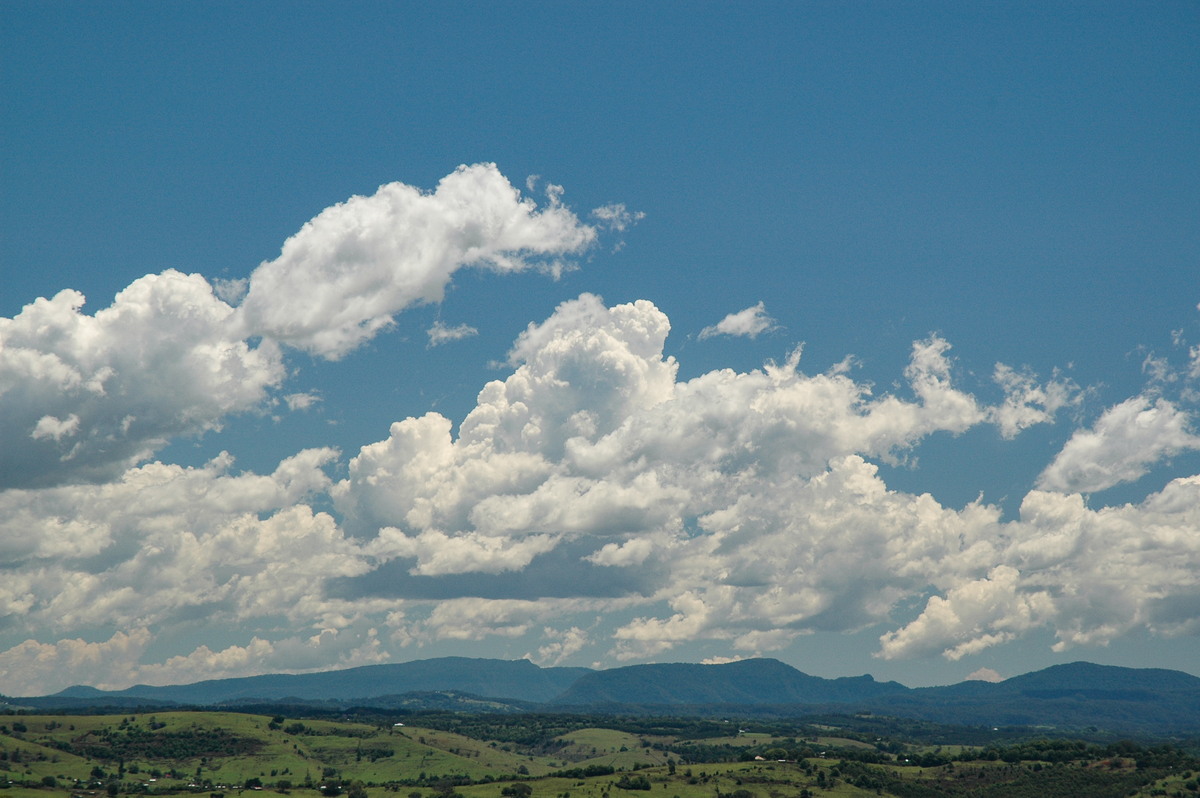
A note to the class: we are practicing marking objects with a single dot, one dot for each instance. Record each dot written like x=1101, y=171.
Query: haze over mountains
x=1079, y=694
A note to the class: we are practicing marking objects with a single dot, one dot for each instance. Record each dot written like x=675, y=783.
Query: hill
x=1077, y=696
x=518, y=680
x=749, y=682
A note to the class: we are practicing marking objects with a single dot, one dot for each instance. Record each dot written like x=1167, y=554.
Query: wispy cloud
x=440, y=334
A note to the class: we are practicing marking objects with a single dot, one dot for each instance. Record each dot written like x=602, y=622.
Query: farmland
x=444, y=755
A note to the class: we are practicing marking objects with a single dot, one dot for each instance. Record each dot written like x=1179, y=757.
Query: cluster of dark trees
x=136, y=742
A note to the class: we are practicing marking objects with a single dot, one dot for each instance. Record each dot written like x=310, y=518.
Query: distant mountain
x=1075, y=696
x=1079, y=694
x=519, y=680
x=748, y=682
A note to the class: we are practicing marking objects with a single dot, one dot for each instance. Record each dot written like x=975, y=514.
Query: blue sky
x=925, y=408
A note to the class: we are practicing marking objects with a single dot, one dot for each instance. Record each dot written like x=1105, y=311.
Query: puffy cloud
x=347, y=272
x=561, y=645
x=590, y=499
x=985, y=675
x=743, y=501
x=1090, y=575
x=84, y=397
x=970, y=618
x=475, y=618
x=746, y=505
x=691, y=618
x=749, y=322
x=51, y=427
x=438, y=553
x=327, y=649
x=33, y=668
x=167, y=543
x=1121, y=447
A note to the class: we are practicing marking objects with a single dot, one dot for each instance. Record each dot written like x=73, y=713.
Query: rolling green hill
x=215, y=753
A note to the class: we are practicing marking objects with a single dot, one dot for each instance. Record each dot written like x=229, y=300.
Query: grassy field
x=225, y=752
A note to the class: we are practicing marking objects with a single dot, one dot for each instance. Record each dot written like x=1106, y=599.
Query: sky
x=860, y=335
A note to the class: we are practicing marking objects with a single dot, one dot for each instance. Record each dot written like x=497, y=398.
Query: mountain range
x=1079, y=695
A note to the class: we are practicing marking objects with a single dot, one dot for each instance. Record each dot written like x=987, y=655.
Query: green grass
x=617, y=749
x=382, y=754
x=743, y=740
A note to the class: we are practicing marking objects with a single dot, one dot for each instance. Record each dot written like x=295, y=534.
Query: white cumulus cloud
x=592, y=504
x=342, y=278
x=82, y=397
x=1123, y=444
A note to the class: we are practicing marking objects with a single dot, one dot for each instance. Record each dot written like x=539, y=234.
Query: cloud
x=84, y=397
x=616, y=216
x=474, y=619
x=1123, y=444
x=742, y=502
x=347, y=272
x=745, y=500
x=167, y=543
x=440, y=334
x=33, y=668
x=593, y=493
x=437, y=553
x=301, y=401
x=51, y=427
x=1028, y=402
x=749, y=323
x=561, y=645
x=1090, y=575
x=985, y=675
x=970, y=618
x=326, y=649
